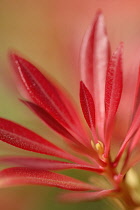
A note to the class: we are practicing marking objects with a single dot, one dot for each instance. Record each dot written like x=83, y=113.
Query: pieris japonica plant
x=88, y=148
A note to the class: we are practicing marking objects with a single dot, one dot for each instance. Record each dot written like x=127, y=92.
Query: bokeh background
x=49, y=33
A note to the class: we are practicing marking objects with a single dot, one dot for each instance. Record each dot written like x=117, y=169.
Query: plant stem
x=126, y=197
x=122, y=191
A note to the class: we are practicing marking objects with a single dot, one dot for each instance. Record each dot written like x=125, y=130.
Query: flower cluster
x=100, y=95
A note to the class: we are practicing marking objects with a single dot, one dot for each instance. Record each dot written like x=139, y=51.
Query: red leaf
x=91, y=155
x=88, y=108
x=49, y=120
x=137, y=94
x=23, y=138
x=113, y=91
x=46, y=164
x=95, y=54
x=134, y=126
x=134, y=143
x=85, y=196
x=25, y=176
x=48, y=96
x=131, y=163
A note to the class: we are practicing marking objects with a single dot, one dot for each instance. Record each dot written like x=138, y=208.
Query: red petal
x=46, y=164
x=26, y=176
x=88, y=108
x=47, y=95
x=23, y=138
x=85, y=196
x=94, y=61
x=49, y=120
x=113, y=92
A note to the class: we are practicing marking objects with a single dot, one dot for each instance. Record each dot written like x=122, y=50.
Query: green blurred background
x=49, y=33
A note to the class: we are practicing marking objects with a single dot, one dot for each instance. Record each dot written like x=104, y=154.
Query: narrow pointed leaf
x=46, y=164
x=47, y=95
x=134, y=126
x=85, y=196
x=25, y=176
x=23, y=138
x=131, y=163
x=95, y=54
x=135, y=140
x=137, y=94
x=90, y=154
x=88, y=108
x=113, y=91
x=49, y=120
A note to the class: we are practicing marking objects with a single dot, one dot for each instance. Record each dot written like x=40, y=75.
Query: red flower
x=100, y=95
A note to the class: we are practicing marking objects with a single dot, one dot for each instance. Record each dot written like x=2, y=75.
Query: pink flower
x=100, y=95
